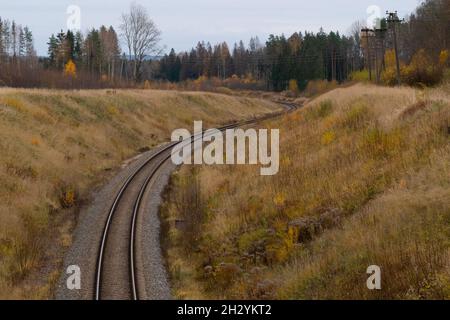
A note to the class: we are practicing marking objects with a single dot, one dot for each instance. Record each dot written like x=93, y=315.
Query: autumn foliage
x=422, y=70
x=70, y=69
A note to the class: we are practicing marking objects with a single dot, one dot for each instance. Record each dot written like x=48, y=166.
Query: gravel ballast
x=87, y=235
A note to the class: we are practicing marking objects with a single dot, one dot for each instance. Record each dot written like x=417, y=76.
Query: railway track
x=117, y=278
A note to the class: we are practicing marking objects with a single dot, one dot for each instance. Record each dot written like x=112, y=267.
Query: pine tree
x=69, y=43
x=52, y=50
x=61, y=56
x=77, y=49
x=29, y=46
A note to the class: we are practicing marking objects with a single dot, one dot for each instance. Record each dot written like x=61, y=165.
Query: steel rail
x=138, y=201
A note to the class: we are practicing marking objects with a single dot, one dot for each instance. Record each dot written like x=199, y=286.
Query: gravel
x=91, y=221
x=84, y=250
x=148, y=232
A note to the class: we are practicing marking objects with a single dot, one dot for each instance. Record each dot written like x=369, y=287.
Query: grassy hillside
x=364, y=179
x=56, y=145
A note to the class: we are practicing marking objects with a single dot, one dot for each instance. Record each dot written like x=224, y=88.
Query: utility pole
x=366, y=33
x=377, y=74
x=393, y=20
x=379, y=47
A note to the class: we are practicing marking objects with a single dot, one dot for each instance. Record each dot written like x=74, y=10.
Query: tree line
x=428, y=29
x=411, y=51
x=98, y=53
x=81, y=60
x=302, y=57
x=423, y=39
x=15, y=41
x=97, y=58
x=16, y=49
x=93, y=59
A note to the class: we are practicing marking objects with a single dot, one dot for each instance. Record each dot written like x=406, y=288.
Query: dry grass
x=406, y=231
x=56, y=145
x=348, y=195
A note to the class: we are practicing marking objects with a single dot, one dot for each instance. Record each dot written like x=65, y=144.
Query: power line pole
x=393, y=20
x=380, y=31
x=366, y=33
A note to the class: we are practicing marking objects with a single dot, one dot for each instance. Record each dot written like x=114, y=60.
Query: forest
x=98, y=57
x=301, y=57
x=307, y=56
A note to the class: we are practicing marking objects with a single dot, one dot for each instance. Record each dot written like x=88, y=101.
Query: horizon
x=226, y=23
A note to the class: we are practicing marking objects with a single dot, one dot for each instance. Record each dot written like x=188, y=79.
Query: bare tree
x=141, y=36
x=358, y=50
x=111, y=49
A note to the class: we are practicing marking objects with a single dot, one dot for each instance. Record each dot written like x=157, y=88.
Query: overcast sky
x=185, y=22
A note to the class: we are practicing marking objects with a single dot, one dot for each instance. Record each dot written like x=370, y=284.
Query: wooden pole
x=393, y=20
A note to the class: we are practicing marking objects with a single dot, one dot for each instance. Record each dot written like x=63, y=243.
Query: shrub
x=443, y=58
x=112, y=110
x=421, y=71
x=279, y=200
x=224, y=90
x=67, y=195
x=356, y=117
x=316, y=87
x=293, y=87
x=381, y=144
x=250, y=242
x=389, y=75
x=361, y=75
x=280, y=246
x=325, y=109
x=328, y=137
x=25, y=248
x=226, y=274
x=15, y=104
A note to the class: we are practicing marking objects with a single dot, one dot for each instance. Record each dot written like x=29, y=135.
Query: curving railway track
x=117, y=275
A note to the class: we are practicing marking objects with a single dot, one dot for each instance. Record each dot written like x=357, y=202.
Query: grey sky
x=184, y=23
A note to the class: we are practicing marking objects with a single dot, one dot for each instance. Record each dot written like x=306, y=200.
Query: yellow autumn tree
x=293, y=86
x=422, y=70
x=70, y=69
x=389, y=75
x=443, y=57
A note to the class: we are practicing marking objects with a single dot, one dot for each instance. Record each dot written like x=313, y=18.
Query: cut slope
x=347, y=196
x=56, y=145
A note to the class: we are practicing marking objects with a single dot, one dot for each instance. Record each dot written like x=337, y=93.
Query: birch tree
x=141, y=36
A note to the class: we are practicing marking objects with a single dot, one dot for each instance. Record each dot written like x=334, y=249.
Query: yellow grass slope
x=55, y=145
x=364, y=179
